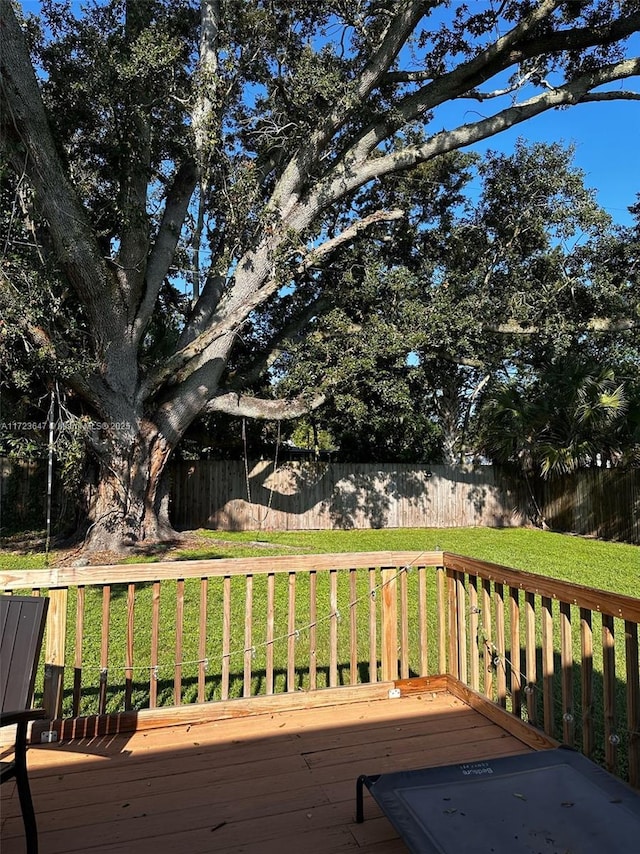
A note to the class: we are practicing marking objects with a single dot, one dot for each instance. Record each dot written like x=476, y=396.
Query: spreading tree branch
x=135, y=133
x=163, y=251
x=347, y=236
x=620, y=95
x=273, y=350
x=25, y=130
x=493, y=59
x=205, y=119
x=514, y=47
x=230, y=317
x=304, y=163
x=353, y=173
x=254, y=407
x=595, y=324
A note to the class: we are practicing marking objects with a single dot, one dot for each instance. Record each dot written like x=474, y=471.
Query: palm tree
x=570, y=416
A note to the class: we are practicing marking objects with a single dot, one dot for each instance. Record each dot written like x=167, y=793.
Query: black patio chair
x=22, y=620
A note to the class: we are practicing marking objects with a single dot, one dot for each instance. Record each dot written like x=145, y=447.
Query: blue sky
x=607, y=140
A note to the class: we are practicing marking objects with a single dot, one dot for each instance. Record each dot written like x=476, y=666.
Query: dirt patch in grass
x=186, y=545
x=34, y=543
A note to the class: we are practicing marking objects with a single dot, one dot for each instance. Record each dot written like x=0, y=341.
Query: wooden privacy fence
x=308, y=495
x=122, y=640
x=23, y=493
x=321, y=495
x=598, y=502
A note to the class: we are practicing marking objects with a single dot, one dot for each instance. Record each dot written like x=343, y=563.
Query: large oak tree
x=223, y=143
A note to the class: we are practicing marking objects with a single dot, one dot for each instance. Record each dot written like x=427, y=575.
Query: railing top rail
x=148, y=572
x=603, y=601
x=613, y=604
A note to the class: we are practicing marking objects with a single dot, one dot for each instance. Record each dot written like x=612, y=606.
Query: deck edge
x=523, y=731
x=68, y=729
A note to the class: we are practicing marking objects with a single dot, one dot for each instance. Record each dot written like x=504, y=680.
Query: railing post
x=566, y=677
x=586, y=680
x=500, y=649
x=531, y=658
x=55, y=647
x=442, y=620
x=487, y=629
x=474, y=656
x=547, y=666
x=633, y=700
x=609, y=692
x=389, y=624
x=514, y=670
x=461, y=607
x=452, y=622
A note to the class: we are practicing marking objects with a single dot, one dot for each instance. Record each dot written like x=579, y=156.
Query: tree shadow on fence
x=341, y=495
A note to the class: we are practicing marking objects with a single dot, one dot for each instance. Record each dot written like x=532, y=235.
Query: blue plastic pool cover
x=546, y=802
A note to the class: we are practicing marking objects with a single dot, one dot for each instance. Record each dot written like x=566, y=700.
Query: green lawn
x=595, y=563
x=609, y=566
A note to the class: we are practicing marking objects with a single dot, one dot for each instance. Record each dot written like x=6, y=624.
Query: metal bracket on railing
x=394, y=693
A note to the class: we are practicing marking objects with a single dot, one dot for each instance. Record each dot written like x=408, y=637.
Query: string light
x=568, y=717
x=296, y=633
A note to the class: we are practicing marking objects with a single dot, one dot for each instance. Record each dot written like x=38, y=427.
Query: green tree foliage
x=183, y=164
x=577, y=400
x=561, y=420
x=467, y=297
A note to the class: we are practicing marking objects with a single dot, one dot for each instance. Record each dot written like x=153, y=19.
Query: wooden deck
x=260, y=783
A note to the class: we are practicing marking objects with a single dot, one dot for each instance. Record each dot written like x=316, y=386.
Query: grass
x=594, y=563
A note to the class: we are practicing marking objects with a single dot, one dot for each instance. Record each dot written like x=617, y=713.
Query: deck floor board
x=246, y=785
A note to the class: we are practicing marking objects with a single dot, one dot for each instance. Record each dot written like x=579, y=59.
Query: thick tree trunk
x=128, y=504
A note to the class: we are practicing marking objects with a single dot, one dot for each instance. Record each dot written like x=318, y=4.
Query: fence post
x=55, y=647
x=389, y=624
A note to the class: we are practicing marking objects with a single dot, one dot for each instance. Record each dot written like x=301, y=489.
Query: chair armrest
x=9, y=718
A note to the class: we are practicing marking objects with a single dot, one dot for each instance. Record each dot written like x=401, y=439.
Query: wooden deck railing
x=562, y=656
x=140, y=636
